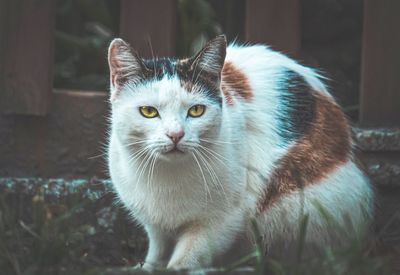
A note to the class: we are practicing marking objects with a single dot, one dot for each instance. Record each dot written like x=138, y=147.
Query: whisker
x=153, y=166
x=202, y=174
x=212, y=173
x=144, y=160
x=217, y=141
x=143, y=168
x=215, y=154
x=137, y=142
x=152, y=55
x=138, y=154
x=97, y=156
x=153, y=159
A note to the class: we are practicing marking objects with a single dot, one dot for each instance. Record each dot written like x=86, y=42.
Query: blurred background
x=323, y=34
x=54, y=103
x=54, y=75
x=326, y=35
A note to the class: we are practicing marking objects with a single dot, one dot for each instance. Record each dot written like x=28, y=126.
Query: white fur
x=343, y=194
x=199, y=212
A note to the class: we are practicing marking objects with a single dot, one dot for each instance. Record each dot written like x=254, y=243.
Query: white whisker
x=223, y=160
x=212, y=172
x=137, y=142
x=143, y=165
x=153, y=166
x=217, y=141
x=138, y=154
x=202, y=174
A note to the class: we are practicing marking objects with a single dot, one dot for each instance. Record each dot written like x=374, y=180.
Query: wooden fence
x=26, y=60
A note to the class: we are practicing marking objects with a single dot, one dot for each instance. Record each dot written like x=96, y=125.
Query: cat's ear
x=211, y=58
x=125, y=65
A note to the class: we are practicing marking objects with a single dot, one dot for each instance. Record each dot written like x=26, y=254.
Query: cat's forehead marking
x=160, y=67
x=192, y=75
x=194, y=79
x=189, y=77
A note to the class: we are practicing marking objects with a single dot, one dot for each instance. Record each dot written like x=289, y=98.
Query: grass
x=72, y=235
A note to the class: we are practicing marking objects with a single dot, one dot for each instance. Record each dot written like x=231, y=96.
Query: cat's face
x=166, y=107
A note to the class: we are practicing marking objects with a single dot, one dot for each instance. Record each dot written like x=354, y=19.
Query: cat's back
x=278, y=97
x=299, y=138
x=265, y=69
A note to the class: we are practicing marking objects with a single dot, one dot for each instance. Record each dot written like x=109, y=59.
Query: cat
x=203, y=148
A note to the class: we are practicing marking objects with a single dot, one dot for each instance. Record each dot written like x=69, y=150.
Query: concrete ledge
x=384, y=174
x=210, y=271
x=377, y=139
x=50, y=189
x=379, y=149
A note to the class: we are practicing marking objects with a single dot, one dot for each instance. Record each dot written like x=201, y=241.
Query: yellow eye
x=196, y=110
x=148, y=111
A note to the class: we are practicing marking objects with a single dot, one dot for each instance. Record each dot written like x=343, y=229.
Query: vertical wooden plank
x=274, y=22
x=26, y=56
x=155, y=21
x=380, y=76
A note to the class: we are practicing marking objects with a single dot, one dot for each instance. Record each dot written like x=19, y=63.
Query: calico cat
x=201, y=147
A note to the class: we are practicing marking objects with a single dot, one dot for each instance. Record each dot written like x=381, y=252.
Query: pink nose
x=176, y=136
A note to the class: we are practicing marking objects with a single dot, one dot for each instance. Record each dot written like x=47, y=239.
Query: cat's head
x=171, y=107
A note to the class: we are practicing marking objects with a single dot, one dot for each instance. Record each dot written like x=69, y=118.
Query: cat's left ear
x=125, y=65
x=211, y=58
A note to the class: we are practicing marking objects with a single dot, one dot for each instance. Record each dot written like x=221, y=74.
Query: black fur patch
x=159, y=67
x=169, y=67
x=298, y=111
x=191, y=77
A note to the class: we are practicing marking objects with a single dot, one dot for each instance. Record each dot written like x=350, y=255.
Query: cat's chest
x=169, y=206
x=177, y=195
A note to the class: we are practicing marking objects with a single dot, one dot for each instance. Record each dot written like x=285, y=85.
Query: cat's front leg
x=198, y=245
x=159, y=248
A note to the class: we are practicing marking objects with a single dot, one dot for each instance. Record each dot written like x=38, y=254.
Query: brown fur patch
x=234, y=83
x=325, y=146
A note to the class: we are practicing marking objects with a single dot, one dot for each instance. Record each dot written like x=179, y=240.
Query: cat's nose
x=176, y=136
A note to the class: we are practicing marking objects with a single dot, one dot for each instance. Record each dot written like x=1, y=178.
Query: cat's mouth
x=174, y=150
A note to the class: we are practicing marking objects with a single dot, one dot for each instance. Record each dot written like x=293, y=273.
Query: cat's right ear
x=125, y=66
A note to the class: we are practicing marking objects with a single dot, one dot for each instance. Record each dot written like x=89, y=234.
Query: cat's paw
x=151, y=267
x=139, y=265
x=144, y=267
x=148, y=267
x=187, y=270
